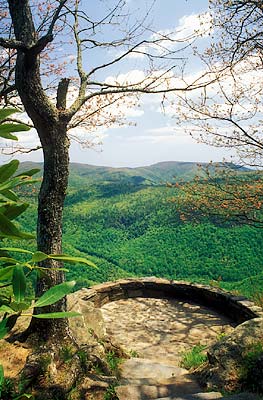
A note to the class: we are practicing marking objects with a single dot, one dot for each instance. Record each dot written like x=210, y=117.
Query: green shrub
x=251, y=372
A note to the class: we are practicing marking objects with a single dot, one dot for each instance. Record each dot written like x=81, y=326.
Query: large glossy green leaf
x=3, y=328
x=7, y=128
x=10, y=195
x=7, y=324
x=16, y=250
x=55, y=293
x=66, y=314
x=6, y=309
x=14, y=210
x=7, y=170
x=7, y=135
x=9, y=260
x=30, y=172
x=43, y=270
x=19, y=284
x=11, y=183
x=5, y=112
x=39, y=256
x=9, y=230
x=6, y=273
x=70, y=259
x=20, y=306
x=14, y=182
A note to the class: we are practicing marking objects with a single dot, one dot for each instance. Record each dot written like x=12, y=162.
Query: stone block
x=238, y=308
x=134, y=293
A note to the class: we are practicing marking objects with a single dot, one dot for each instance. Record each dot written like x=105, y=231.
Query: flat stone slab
x=144, y=379
x=152, y=392
x=162, y=328
x=196, y=396
x=214, y=396
x=142, y=370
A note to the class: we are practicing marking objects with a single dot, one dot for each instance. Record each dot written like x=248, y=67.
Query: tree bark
x=51, y=126
x=49, y=228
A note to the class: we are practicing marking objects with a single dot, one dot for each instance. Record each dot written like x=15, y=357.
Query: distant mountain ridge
x=158, y=173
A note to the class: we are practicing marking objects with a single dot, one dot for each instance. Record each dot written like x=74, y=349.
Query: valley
x=124, y=221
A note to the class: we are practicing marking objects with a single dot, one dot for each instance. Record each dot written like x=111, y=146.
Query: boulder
x=90, y=325
x=226, y=361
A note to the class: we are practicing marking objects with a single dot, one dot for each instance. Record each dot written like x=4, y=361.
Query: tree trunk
x=51, y=126
x=49, y=228
x=52, y=131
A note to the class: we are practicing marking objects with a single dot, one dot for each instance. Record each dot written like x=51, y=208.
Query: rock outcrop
x=169, y=382
x=227, y=366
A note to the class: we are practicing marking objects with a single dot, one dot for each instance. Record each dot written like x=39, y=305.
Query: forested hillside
x=124, y=221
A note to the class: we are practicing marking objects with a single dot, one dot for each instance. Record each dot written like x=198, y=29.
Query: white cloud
x=28, y=138
x=155, y=139
x=164, y=134
x=133, y=77
x=88, y=139
x=194, y=24
x=133, y=112
x=189, y=27
x=161, y=131
x=161, y=42
x=238, y=92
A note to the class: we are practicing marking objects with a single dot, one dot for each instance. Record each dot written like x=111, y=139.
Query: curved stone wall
x=238, y=308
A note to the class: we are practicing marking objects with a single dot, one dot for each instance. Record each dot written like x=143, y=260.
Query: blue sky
x=156, y=136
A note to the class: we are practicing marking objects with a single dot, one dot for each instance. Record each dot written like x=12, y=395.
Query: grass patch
x=113, y=361
x=111, y=393
x=134, y=353
x=66, y=353
x=193, y=358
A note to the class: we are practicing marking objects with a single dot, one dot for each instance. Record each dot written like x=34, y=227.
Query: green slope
x=123, y=219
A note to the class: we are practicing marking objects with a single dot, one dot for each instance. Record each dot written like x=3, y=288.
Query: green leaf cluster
x=14, y=273
x=10, y=206
x=6, y=128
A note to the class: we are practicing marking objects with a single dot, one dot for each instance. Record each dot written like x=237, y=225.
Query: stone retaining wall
x=237, y=308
